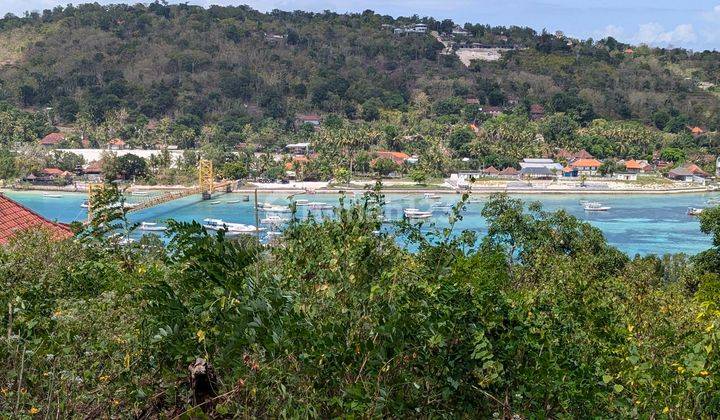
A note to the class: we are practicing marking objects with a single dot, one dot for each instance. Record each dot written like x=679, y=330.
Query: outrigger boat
x=694, y=211
x=273, y=220
x=431, y=196
x=320, y=206
x=47, y=195
x=151, y=227
x=417, y=214
x=595, y=206
x=233, y=228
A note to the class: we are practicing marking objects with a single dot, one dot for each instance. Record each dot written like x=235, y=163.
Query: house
x=49, y=176
x=399, y=158
x=298, y=161
x=312, y=119
x=626, y=176
x=538, y=172
x=298, y=148
x=586, y=166
x=549, y=164
x=492, y=111
x=634, y=167
x=459, y=31
x=509, y=172
x=569, y=172
x=536, y=112
x=629, y=51
x=688, y=173
x=93, y=171
x=116, y=144
x=52, y=140
x=15, y=218
x=490, y=171
x=419, y=28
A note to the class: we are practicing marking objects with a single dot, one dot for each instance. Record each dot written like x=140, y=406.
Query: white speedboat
x=694, y=211
x=431, y=196
x=301, y=202
x=273, y=220
x=85, y=204
x=140, y=193
x=595, y=206
x=417, y=214
x=237, y=228
x=214, y=203
x=151, y=227
x=48, y=195
x=274, y=209
x=320, y=206
x=233, y=201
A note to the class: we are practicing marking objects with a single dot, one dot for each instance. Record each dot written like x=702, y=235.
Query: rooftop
x=15, y=217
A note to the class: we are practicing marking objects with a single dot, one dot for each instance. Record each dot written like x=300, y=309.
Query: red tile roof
x=53, y=171
x=586, y=163
x=509, y=171
x=697, y=130
x=633, y=164
x=116, y=142
x=52, y=139
x=583, y=154
x=491, y=170
x=537, y=109
x=15, y=217
x=397, y=157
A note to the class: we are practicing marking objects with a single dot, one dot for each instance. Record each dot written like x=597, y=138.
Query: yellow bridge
x=206, y=187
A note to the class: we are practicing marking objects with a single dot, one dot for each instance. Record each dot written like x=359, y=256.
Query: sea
x=636, y=224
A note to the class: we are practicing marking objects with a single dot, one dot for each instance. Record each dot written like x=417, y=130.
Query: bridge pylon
x=206, y=178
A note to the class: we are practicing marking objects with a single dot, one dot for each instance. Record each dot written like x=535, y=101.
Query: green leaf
x=618, y=388
x=607, y=378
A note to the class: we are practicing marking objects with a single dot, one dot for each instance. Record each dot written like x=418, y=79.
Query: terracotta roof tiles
x=15, y=217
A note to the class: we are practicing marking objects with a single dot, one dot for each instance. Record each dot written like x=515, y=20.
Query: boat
x=215, y=202
x=320, y=206
x=246, y=198
x=431, y=196
x=233, y=201
x=48, y=195
x=233, y=228
x=140, y=193
x=271, y=208
x=301, y=202
x=151, y=227
x=595, y=206
x=273, y=220
x=85, y=204
x=694, y=211
x=411, y=213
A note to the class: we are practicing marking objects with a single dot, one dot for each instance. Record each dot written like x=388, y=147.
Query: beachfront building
x=399, y=158
x=52, y=140
x=549, y=164
x=569, y=172
x=626, y=176
x=586, y=166
x=490, y=171
x=537, y=172
x=688, y=173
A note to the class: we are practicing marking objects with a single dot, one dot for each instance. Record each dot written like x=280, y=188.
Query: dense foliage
x=541, y=318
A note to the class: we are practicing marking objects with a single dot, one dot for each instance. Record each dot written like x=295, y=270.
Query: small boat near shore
x=431, y=196
x=302, y=202
x=48, y=195
x=233, y=201
x=140, y=193
x=85, y=204
x=151, y=227
x=694, y=211
x=412, y=213
x=233, y=228
x=273, y=208
x=595, y=206
x=274, y=220
x=319, y=206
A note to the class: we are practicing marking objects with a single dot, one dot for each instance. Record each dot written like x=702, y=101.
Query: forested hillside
x=234, y=65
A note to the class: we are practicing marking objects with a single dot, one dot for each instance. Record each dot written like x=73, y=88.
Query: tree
x=234, y=170
x=384, y=166
x=672, y=154
x=131, y=166
x=418, y=176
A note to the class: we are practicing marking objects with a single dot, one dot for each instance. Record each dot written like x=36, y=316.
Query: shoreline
x=390, y=190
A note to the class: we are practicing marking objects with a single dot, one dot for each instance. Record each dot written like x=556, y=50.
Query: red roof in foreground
x=15, y=217
x=52, y=139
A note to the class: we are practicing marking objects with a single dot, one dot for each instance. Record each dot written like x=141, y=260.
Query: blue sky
x=693, y=24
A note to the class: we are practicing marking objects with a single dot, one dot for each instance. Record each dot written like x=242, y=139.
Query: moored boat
x=151, y=227
x=694, y=211
x=411, y=213
x=273, y=220
x=48, y=195
x=431, y=196
x=237, y=228
x=595, y=206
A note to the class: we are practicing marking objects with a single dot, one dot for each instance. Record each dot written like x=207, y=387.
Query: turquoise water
x=636, y=224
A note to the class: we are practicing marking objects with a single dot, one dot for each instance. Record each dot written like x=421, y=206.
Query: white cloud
x=610, y=30
x=713, y=15
x=655, y=34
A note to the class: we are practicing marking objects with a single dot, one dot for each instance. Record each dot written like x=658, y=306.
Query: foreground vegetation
x=539, y=318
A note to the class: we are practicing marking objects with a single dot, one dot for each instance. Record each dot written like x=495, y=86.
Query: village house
x=116, y=144
x=312, y=119
x=569, y=172
x=536, y=112
x=297, y=162
x=626, y=176
x=688, y=173
x=697, y=131
x=52, y=140
x=459, y=31
x=298, y=148
x=15, y=218
x=50, y=176
x=490, y=171
x=634, y=166
x=492, y=111
x=419, y=28
x=93, y=171
x=586, y=166
x=549, y=164
x=509, y=172
x=399, y=158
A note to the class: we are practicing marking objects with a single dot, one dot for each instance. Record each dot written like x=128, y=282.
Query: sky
x=692, y=24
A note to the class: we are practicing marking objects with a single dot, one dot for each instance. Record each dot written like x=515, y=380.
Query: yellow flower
x=666, y=410
x=631, y=328
x=704, y=373
x=104, y=378
x=116, y=402
x=200, y=336
x=680, y=369
x=33, y=411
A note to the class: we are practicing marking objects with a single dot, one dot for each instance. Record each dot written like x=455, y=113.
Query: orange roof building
x=586, y=163
x=696, y=131
x=398, y=157
x=633, y=165
x=52, y=139
x=15, y=218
